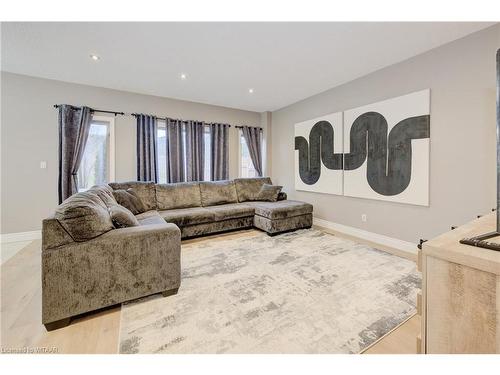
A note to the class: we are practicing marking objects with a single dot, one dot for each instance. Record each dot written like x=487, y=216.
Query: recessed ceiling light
x=94, y=57
x=183, y=76
x=250, y=91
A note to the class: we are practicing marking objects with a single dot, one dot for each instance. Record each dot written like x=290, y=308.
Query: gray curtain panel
x=253, y=138
x=74, y=126
x=147, y=153
x=175, y=151
x=195, y=150
x=219, y=135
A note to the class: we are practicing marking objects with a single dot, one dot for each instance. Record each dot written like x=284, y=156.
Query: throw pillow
x=130, y=200
x=145, y=191
x=122, y=217
x=282, y=196
x=269, y=193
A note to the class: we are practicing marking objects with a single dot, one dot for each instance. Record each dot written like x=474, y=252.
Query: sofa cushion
x=218, y=192
x=248, y=189
x=179, y=195
x=122, y=217
x=104, y=192
x=269, y=193
x=281, y=209
x=231, y=211
x=130, y=200
x=145, y=191
x=84, y=216
x=150, y=218
x=188, y=216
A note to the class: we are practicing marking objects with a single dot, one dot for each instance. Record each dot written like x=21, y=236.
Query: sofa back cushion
x=144, y=190
x=84, y=216
x=105, y=192
x=218, y=192
x=248, y=189
x=130, y=200
x=179, y=195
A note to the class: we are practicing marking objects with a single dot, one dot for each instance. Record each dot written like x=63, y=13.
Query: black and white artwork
x=384, y=154
x=318, y=159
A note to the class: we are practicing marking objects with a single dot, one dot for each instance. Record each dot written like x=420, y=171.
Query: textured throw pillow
x=84, y=216
x=122, y=217
x=144, y=190
x=130, y=200
x=269, y=193
x=282, y=196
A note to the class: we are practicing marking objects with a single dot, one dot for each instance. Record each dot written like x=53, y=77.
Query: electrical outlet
x=43, y=164
x=363, y=218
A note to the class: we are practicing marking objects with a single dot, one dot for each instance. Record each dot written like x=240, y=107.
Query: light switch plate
x=43, y=164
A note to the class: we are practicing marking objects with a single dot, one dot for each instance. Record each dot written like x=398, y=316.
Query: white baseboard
x=405, y=247
x=21, y=236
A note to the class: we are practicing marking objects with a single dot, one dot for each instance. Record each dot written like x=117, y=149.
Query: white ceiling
x=282, y=62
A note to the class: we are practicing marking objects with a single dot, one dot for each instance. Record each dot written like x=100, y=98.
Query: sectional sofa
x=90, y=261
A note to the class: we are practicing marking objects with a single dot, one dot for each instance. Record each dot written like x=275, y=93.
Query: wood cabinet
x=460, y=293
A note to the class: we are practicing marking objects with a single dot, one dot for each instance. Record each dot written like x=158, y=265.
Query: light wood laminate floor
x=98, y=332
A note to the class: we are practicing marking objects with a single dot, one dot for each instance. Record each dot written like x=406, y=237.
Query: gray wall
x=266, y=124
x=29, y=135
x=461, y=76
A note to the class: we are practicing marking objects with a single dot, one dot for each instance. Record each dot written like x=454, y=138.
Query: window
x=246, y=165
x=161, y=137
x=162, y=152
x=98, y=161
x=208, y=154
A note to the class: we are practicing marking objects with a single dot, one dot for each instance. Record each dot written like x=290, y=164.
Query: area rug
x=300, y=292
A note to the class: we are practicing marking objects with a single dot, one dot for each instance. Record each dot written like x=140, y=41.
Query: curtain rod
x=156, y=117
x=241, y=127
x=93, y=110
x=137, y=114
x=166, y=118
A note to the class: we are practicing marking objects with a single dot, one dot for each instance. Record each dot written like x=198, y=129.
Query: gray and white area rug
x=300, y=292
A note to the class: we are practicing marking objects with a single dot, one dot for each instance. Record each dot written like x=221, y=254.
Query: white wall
x=461, y=76
x=29, y=135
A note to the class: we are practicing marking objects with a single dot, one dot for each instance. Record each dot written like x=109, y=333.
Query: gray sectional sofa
x=89, y=261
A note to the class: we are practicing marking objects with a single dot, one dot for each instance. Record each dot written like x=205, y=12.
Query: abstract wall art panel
x=386, y=150
x=378, y=151
x=318, y=154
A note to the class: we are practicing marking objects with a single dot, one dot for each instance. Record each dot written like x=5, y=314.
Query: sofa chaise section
x=282, y=216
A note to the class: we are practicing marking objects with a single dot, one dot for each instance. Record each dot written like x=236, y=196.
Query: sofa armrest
x=141, y=231
x=120, y=265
